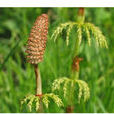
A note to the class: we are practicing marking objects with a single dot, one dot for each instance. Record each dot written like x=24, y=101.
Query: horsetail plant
x=36, y=45
x=90, y=30
x=81, y=26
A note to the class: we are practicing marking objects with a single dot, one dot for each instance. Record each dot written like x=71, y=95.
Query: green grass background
x=17, y=77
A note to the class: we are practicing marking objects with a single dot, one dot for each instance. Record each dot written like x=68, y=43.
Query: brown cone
x=36, y=43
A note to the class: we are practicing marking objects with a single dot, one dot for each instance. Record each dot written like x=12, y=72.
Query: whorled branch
x=83, y=87
x=30, y=99
x=90, y=29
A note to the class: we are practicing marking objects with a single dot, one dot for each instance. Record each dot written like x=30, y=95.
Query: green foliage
x=17, y=77
x=83, y=87
x=30, y=99
x=88, y=28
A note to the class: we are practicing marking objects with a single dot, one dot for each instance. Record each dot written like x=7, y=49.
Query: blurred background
x=17, y=77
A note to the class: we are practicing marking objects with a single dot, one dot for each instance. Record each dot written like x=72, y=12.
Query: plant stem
x=38, y=86
x=75, y=64
x=76, y=60
x=81, y=16
x=38, y=80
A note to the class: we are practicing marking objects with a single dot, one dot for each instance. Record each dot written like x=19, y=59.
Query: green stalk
x=81, y=16
x=74, y=76
x=75, y=73
x=75, y=70
x=80, y=19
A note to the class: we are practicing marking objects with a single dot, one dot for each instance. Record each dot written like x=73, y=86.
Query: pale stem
x=38, y=80
x=38, y=86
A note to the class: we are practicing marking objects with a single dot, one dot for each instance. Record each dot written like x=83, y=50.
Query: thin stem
x=38, y=85
x=76, y=60
x=38, y=80
x=76, y=51
x=81, y=16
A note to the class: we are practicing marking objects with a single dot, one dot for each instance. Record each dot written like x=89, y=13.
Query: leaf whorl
x=36, y=43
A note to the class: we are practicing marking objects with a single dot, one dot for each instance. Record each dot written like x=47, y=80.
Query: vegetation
x=75, y=67
x=17, y=77
x=36, y=45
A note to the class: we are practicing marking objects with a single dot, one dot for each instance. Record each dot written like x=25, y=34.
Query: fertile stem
x=38, y=86
x=38, y=80
x=36, y=45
